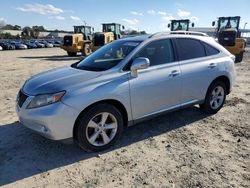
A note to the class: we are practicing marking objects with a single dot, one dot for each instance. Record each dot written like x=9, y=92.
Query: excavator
x=229, y=36
x=180, y=25
x=110, y=32
x=80, y=41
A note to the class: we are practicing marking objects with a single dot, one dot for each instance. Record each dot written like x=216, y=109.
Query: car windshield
x=108, y=56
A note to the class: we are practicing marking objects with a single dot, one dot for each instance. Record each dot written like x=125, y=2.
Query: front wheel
x=239, y=57
x=215, y=98
x=99, y=128
x=86, y=50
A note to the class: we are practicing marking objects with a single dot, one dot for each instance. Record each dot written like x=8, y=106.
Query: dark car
x=47, y=44
x=18, y=45
x=38, y=44
x=56, y=43
x=7, y=46
x=30, y=45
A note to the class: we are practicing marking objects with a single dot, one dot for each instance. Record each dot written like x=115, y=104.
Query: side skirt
x=165, y=111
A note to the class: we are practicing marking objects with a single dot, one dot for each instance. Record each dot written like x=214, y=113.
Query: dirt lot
x=182, y=149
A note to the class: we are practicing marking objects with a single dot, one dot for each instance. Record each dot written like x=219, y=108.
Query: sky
x=149, y=15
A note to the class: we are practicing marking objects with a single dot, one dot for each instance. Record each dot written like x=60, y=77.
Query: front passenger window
x=158, y=52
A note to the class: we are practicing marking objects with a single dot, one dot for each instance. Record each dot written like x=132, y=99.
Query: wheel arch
x=225, y=80
x=113, y=102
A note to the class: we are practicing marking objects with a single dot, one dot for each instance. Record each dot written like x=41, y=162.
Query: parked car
x=47, y=44
x=38, y=44
x=19, y=45
x=30, y=45
x=56, y=43
x=7, y=46
x=126, y=82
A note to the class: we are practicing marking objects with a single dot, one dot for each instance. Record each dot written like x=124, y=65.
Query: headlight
x=45, y=99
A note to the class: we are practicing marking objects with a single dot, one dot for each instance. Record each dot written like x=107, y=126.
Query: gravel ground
x=186, y=148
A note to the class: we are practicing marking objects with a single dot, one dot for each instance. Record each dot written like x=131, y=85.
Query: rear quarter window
x=189, y=48
x=210, y=50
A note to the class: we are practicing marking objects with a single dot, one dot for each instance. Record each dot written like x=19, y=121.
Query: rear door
x=158, y=87
x=198, y=68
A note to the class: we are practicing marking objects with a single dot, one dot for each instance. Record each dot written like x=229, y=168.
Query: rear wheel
x=239, y=57
x=86, y=50
x=72, y=54
x=215, y=98
x=99, y=128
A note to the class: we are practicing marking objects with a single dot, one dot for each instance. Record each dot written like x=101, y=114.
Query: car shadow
x=54, y=57
x=24, y=153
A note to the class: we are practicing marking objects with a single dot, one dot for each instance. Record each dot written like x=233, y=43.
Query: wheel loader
x=110, y=32
x=180, y=25
x=229, y=36
x=80, y=41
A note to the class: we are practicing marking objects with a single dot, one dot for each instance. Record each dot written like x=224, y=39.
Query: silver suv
x=125, y=82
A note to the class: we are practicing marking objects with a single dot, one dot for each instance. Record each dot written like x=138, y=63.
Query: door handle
x=174, y=73
x=212, y=65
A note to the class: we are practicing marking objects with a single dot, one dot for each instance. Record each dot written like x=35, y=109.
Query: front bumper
x=54, y=121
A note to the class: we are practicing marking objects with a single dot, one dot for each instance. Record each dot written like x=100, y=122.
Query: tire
x=86, y=50
x=90, y=131
x=209, y=106
x=72, y=54
x=239, y=57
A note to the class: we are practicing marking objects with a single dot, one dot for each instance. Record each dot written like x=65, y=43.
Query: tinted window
x=210, y=50
x=158, y=52
x=189, y=49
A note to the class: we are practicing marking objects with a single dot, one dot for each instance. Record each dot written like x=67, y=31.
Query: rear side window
x=210, y=50
x=189, y=49
x=158, y=52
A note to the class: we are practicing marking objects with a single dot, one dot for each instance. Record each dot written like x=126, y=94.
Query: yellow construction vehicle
x=80, y=41
x=229, y=36
x=83, y=40
x=180, y=25
x=110, y=32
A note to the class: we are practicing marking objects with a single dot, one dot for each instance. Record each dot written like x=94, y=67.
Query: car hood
x=57, y=80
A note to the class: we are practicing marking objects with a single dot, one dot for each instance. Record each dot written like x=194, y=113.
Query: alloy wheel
x=101, y=129
x=217, y=97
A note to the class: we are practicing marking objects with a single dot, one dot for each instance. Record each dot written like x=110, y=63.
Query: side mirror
x=93, y=29
x=168, y=25
x=123, y=27
x=213, y=23
x=192, y=24
x=139, y=63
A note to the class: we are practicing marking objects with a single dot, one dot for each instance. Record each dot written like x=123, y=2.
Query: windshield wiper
x=89, y=68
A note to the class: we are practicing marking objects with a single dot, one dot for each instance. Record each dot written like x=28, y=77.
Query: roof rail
x=178, y=32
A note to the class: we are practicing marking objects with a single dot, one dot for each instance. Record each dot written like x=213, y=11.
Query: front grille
x=21, y=98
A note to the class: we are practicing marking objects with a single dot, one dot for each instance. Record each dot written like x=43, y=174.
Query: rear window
x=210, y=50
x=189, y=49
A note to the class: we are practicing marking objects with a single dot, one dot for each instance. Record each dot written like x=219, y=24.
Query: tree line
x=33, y=32
x=27, y=32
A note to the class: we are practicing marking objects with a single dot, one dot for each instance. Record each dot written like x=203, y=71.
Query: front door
x=157, y=88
